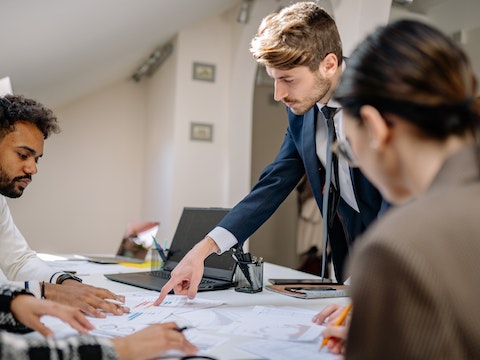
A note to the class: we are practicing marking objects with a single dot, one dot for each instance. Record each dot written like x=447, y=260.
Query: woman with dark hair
x=411, y=118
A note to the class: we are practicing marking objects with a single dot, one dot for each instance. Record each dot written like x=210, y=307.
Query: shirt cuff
x=34, y=288
x=223, y=238
x=54, y=277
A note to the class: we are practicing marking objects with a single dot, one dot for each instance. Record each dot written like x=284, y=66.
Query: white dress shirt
x=19, y=263
x=345, y=180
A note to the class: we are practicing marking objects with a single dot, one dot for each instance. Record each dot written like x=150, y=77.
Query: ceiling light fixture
x=244, y=14
x=153, y=62
x=403, y=2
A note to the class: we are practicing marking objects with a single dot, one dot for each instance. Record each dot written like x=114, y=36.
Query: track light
x=244, y=14
x=153, y=62
x=403, y=2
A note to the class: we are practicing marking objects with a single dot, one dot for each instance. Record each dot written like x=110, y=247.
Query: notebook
x=303, y=291
x=193, y=225
x=137, y=239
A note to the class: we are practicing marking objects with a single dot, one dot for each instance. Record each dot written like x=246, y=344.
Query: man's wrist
x=207, y=246
x=223, y=238
x=42, y=293
x=67, y=276
x=47, y=290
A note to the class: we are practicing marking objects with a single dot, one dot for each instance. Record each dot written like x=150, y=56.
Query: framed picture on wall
x=201, y=132
x=203, y=72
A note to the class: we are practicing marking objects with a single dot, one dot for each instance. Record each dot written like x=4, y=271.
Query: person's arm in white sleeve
x=17, y=261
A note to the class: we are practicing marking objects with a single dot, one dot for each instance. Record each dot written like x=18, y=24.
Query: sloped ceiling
x=58, y=50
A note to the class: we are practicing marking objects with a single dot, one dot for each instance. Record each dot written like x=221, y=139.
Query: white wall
x=90, y=178
x=190, y=173
x=357, y=18
x=472, y=47
x=160, y=145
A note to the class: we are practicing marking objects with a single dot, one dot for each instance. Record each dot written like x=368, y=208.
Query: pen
x=299, y=289
x=339, y=321
x=182, y=329
x=241, y=256
x=159, y=249
x=113, y=301
x=243, y=266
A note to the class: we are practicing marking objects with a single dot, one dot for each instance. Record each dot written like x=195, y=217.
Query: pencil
x=160, y=250
x=339, y=322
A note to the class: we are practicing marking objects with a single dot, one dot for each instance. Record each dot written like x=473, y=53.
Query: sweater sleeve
x=15, y=346
x=82, y=347
x=7, y=320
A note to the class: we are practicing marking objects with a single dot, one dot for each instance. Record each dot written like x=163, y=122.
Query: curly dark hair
x=14, y=108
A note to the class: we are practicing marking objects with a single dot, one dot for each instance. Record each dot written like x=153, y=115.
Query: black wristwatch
x=66, y=276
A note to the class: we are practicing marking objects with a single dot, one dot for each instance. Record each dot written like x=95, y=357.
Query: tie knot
x=329, y=112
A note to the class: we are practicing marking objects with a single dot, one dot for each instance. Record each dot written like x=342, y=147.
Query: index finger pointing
x=165, y=290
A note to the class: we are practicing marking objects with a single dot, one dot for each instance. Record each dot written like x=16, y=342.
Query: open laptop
x=194, y=224
x=133, y=248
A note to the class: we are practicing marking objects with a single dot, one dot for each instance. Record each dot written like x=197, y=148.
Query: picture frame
x=201, y=132
x=203, y=72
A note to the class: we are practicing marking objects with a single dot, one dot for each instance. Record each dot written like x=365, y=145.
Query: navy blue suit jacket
x=297, y=156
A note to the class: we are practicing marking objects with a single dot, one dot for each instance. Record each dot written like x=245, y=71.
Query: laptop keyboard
x=159, y=274
x=166, y=275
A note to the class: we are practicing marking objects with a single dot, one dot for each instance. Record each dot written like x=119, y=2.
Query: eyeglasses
x=344, y=151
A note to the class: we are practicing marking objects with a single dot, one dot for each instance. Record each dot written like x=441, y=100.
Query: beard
x=7, y=185
x=317, y=93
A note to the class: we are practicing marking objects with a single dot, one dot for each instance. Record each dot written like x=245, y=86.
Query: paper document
x=280, y=323
x=271, y=332
x=282, y=350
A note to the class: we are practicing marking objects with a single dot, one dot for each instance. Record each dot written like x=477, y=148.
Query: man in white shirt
x=24, y=125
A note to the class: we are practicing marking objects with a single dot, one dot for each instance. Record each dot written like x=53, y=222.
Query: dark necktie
x=331, y=190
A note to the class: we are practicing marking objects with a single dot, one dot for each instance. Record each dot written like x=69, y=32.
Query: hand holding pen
x=337, y=331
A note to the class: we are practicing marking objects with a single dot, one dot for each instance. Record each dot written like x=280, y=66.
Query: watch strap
x=67, y=276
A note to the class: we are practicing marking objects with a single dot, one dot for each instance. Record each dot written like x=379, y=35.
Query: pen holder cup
x=249, y=277
x=156, y=261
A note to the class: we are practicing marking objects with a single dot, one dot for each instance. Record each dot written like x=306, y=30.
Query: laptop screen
x=194, y=224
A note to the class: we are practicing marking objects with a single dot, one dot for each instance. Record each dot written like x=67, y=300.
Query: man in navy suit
x=302, y=51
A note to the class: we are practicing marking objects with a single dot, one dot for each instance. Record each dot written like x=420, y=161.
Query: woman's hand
x=337, y=337
x=336, y=334
x=28, y=310
x=329, y=314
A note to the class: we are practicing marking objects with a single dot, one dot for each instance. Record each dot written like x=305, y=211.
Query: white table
x=232, y=298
